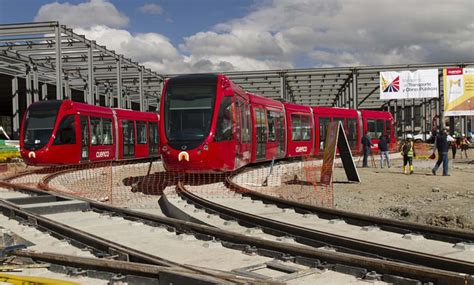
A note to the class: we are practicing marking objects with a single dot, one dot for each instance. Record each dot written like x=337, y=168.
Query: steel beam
x=59, y=69
x=29, y=91
x=355, y=93
x=44, y=91
x=35, y=84
x=119, y=82
x=90, y=76
x=15, y=107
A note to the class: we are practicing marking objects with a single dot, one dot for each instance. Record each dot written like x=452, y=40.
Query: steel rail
x=384, y=251
x=97, y=243
x=418, y=272
x=118, y=267
x=431, y=232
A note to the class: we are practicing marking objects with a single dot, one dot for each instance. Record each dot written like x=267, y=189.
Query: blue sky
x=179, y=36
x=180, y=18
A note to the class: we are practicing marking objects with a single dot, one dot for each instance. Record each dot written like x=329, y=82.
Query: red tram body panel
x=376, y=124
x=67, y=132
x=209, y=124
x=301, y=131
x=351, y=121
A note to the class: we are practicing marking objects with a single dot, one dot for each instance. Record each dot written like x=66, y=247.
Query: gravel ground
x=420, y=197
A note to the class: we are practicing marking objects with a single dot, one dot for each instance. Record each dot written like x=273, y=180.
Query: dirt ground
x=420, y=197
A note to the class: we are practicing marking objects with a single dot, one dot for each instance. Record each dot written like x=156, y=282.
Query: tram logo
x=183, y=155
x=393, y=86
x=301, y=149
x=101, y=154
x=31, y=154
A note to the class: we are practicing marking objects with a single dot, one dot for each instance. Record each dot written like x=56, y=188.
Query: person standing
x=454, y=146
x=408, y=152
x=464, y=145
x=383, y=147
x=366, y=144
x=442, y=145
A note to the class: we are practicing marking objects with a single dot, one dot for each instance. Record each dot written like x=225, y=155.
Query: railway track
x=310, y=229
x=308, y=260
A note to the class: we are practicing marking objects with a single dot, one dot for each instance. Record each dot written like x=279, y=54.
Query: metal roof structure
x=52, y=53
x=49, y=54
x=354, y=87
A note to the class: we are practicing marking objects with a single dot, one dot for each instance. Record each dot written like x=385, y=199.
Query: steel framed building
x=46, y=60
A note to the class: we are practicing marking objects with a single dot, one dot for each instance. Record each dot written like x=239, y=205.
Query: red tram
x=67, y=132
x=210, y=124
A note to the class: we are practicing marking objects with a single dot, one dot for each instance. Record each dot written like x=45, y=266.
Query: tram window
x=101, y=129
x=128, y=132
x=300, y=128
x=305, y=128
x=295, y=128
x=224, y=130
x=128, y=137
x=66, y=133
x=153, y=138
x=280, y=121
x=107, y=137
x=375, y=128
x=246, y=127
x=352, y=132
x=141, y=132
x=271, y=126
x=339, y=120
x=387, y=129
x=323, y=126
x=96, y=131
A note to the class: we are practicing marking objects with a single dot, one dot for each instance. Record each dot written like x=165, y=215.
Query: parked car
x=423, y=137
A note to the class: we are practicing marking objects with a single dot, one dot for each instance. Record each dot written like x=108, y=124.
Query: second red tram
x=67, y=132
x=210, y=124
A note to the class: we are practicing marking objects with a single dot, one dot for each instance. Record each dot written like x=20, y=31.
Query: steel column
x=35, y=84
x=441, y=103
x=90, y=77
x=412, y=113
x=403, y=119
x=59, y=68
x=96, y=98
x=354, y=91
x=282, y=86
x=15, y=107
x=140, y=90
x=67, y=89
x=438, y=114
x=423, y=118
x=395, y=116
x=347, y=97
x=29, y=93
x=44, y=91
x=119, y=82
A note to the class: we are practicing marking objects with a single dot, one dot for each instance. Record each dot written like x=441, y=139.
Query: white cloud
x=290, y=33
x=151, y=9
x=350, y=32
x=87, y=14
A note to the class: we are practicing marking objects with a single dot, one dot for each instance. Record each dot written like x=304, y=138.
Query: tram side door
x=261, y=132
x=84, y=138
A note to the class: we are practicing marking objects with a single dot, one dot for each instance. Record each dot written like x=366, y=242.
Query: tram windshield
x=39, y=124
x=188, y=113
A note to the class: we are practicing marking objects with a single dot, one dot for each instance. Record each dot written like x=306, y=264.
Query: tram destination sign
x=407, y=84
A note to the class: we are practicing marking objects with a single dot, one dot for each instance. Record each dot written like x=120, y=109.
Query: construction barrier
x=139, y=184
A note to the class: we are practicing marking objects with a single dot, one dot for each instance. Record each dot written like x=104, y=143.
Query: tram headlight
x=205, y=147
x=165, y=148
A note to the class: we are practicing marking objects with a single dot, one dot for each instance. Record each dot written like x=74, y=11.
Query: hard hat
x=409, y=136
